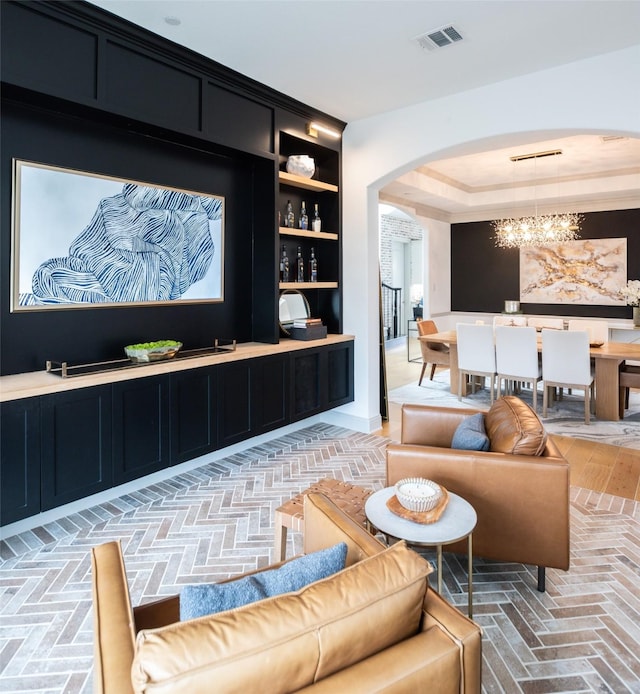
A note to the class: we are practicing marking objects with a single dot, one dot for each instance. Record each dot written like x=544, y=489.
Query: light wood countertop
x=35, y=383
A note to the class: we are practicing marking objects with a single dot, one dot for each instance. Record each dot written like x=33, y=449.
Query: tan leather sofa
x=519, y=488
x=376, y=626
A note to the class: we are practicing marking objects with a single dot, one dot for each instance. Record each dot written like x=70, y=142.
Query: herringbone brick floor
x=582, y=635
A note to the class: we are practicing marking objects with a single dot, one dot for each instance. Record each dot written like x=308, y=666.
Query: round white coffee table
x=456, y=523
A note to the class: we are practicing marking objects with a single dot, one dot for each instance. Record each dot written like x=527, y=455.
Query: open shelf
x=324, y=296
x=306, y=183
x=327, y=236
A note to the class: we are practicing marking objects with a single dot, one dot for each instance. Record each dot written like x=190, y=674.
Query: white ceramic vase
x=301, y=165
x=636, y=315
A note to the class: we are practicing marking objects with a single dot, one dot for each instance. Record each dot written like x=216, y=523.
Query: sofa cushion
x=513, y=427
x=208, y=598
x=471, y=435
x=289, y=641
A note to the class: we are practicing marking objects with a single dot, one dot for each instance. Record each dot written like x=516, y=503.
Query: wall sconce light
x=314, y=128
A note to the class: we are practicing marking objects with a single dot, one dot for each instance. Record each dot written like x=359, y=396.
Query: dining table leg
x=453, y=367
x=607, y=383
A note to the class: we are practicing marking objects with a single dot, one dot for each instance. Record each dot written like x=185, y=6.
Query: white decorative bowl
x=153, y=351
x=301, y=165
x=418, y=494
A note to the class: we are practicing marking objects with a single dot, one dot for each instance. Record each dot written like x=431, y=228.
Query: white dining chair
x=512, y=321
x=598, y=329
x=476, y=355
x=566, y=363
x=539, y=322
x=517, y=358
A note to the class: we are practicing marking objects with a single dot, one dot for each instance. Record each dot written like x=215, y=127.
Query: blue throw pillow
x=471, y=434
x=204, y=599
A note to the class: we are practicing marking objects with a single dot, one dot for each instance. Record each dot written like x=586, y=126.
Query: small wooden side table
x=347, y=497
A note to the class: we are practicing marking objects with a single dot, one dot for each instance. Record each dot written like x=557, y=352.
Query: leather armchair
x=326, y=638
x=522, y=500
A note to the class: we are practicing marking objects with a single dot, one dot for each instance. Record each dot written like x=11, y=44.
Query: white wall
x=590, y=96
x=436, y=262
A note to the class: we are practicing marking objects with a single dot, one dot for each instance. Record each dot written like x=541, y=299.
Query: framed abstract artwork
x=585, y=272
x=85, y=240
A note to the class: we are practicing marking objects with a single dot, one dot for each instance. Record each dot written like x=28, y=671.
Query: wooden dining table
x=608, y=359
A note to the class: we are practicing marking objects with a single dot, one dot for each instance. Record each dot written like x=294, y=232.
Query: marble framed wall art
x=586, y=272
x=85, y=240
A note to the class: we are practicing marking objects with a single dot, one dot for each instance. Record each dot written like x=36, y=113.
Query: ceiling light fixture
x=314, y=128
x=536, y=230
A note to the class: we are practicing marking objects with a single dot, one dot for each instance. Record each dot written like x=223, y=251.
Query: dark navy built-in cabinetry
x=87, y=91
x=64, y=446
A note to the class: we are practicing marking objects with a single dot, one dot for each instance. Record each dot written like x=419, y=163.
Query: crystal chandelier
x=536, y=230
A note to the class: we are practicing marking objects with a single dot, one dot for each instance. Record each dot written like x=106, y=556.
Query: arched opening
x=401, y=257
x=396, y=155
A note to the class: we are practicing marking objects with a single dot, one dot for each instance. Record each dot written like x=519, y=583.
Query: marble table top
x=457, y=522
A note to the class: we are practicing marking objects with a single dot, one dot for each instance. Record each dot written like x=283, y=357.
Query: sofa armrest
x=431, y=426
x=326, y=525
x=522, y=501
x=466, y=634
x=113, y=629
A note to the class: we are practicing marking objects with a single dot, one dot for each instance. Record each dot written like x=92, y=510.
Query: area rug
x=217, y=521
x=564, y=418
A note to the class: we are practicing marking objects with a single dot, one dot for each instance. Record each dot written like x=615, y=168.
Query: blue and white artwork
x=84, y=240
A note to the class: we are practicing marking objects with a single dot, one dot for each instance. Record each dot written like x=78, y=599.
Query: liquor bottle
x=299, y=266
x=289, y=220
x=285, y=268
x=313, y=267
x=316, y=224
x=304, y=217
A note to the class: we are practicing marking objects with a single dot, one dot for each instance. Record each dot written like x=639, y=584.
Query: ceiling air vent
x=438, y=38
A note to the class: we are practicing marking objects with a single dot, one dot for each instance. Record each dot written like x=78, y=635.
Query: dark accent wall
x=100, y=333
x=86, y=90
x=483, y=276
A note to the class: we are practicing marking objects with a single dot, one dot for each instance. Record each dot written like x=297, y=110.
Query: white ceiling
x=357, y=58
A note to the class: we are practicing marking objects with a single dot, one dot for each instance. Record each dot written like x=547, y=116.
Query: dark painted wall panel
x=85, y=90
x=251, y=125
x=80, y=335
x=148, y=89
x=483, y=276
x=41, y=53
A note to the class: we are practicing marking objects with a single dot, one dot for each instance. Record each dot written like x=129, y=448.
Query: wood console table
x=607, y=359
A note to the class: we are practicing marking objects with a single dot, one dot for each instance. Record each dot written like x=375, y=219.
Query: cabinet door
x=140, y=427
x=75, y=445
x=19, y=459
x=340, y=373
x=270, y=404
x=193, y=413
x=235, y=421
x=308, y=383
